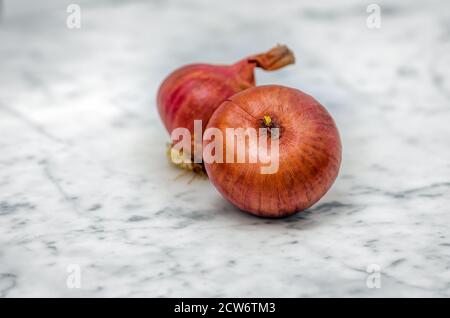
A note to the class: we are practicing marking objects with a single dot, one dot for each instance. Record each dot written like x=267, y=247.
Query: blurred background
x=84, y=178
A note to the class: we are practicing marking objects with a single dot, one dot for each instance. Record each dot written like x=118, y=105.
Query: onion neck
x=274, y=59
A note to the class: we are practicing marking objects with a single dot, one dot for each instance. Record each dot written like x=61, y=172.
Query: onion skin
x=309, y=152
x=194, y=92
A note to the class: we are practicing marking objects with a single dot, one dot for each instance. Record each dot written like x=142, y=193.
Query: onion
x=309, y=153
x=194, y=91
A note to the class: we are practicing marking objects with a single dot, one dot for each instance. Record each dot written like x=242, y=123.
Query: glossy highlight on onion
x=309, y=151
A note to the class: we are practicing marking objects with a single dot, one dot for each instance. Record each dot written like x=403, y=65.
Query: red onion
x=309, y=151
x=194, y=91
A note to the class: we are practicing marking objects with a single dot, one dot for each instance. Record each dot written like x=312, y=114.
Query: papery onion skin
x=194, y=91
x=309, y=152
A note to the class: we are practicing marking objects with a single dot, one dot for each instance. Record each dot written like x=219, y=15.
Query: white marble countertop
x=84, y=180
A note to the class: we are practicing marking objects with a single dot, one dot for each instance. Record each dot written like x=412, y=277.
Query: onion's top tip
x=274, y=59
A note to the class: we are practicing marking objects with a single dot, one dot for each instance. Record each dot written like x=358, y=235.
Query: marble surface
x=84, y=180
